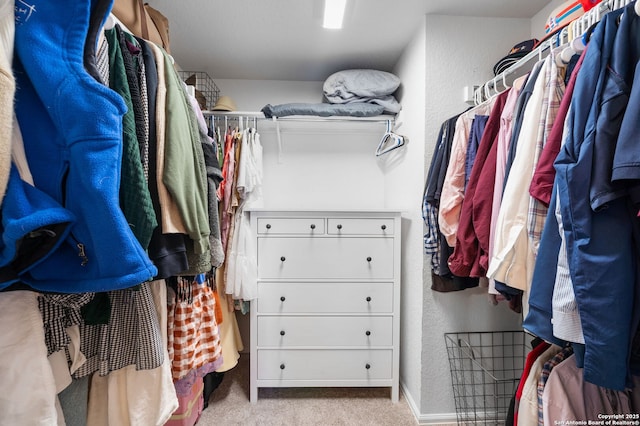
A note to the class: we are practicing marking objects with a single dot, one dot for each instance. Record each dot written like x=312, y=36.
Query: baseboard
x=440, y=419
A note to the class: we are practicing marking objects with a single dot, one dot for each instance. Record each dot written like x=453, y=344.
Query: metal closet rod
x=525, y=64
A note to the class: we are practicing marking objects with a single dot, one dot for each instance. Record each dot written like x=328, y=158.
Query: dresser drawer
x=298, y=226
x=348, y=364
x=284, y=331
x=347, y=226
x=313, y=298
x=325, y=258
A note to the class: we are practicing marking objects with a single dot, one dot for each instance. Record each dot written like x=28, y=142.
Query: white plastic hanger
x=504, y=81
x=477, y=96
x=389, y=141
x=636, y=7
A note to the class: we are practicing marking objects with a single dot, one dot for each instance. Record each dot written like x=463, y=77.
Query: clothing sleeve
x=483, y=206
x=453, y=186
x=566, y=317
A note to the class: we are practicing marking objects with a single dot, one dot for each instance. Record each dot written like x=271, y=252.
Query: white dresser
x=327, y=313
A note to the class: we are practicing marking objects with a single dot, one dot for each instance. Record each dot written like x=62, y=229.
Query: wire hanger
x=389, y=141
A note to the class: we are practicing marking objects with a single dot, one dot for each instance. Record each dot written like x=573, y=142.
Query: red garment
x=542, y=181
x=588, y=4
x=228, y=143
x=531, y=358
x=483, y=205
x=465, y=260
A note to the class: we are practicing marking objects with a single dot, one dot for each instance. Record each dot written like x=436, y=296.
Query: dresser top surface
x=263, y=211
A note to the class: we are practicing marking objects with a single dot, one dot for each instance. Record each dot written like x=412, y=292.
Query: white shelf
x=312, y=118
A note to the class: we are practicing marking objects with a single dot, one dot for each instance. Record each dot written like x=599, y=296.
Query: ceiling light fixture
x=334, y=13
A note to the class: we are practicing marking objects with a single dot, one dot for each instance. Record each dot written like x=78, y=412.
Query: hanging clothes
x=597, y=240
x=528, y=406
x=136, y=396
x=28, y=384
x=465, y=260
x=135, y=199
x=435, y=243
x=102, y=254
x=453, y=186
x=514, y=256
x=167, y=250
x=241, y=267
x=502, y=150
x=225, y=188
x=567, y=395
x=194, y=340
x=184, y=164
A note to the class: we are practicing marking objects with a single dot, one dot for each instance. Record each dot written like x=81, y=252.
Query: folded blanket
x=323, y=109
x=363, y=86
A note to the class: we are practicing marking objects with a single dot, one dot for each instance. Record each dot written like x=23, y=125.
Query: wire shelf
x=207, y=92
x=485, y=370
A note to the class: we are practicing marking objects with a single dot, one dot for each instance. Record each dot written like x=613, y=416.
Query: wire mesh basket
x=485, y=370
x=207, y=92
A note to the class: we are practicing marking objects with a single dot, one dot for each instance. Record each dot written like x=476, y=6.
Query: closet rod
x=301, y=118
x=525, y=64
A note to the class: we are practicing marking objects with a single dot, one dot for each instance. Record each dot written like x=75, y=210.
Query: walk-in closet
x=262, y=213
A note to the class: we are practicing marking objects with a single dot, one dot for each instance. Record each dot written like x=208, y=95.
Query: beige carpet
x=229, y=405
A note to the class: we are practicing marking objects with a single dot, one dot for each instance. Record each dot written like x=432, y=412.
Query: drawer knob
x=368, y=333
x=313, y=226
x=339, y=226
x=367, y=366
x=383, y=227
x=282, y=333
x=368, y=299
x=282, y=298
x=282, y=258
x=281, y=366
x=268, y=226
x=369, y=259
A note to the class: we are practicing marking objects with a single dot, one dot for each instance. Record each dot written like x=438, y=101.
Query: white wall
x=325, y=165
x=315, y=165
x=539, y=20
x=460, y=51
x=404, y=178
x=252, y=95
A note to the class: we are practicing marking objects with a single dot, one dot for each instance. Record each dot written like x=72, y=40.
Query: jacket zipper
x=81, y=251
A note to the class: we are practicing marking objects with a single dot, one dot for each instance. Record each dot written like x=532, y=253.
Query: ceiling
x=284, y=39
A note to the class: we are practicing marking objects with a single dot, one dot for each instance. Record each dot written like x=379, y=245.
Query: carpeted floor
x=229, y=405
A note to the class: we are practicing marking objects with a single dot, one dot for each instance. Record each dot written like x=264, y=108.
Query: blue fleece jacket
x=33, y=225
x=72, y=130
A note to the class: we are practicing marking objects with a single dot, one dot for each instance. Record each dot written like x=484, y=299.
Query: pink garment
x=190, y=407
x=502, y=151
x=568, y=397
x=453, y=186
x=224, y=190
x=465, y=260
